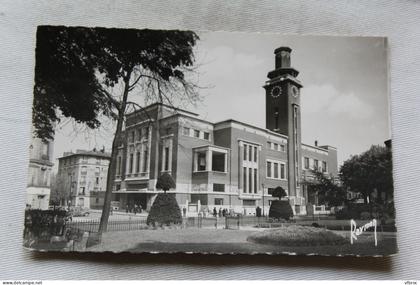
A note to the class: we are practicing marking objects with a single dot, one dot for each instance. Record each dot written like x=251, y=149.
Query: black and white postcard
x=171, y=141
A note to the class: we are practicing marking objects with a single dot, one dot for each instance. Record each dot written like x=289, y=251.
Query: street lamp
x=263, y=199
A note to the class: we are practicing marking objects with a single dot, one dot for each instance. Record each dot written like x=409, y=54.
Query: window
x=119, y=165
x=197, y=133
x=218, y=187
x=306, y=162
x=131, y=137
x=276, y=170
x=324, y=166
x=146, y=132
x=97, y=180
x=255, y=181
x=268, y=145
x=82, y=190
x=276, y=146
x=97, y=200
x=248, y=202
x=138, y=137
x=245, y=180
x=166, y=164
x=282, y=171
x=84, y=170
x=316, y=164
x=245, y=151
x=130, y=166
x=186, y=131
x=138, y=161
x=145, y=158
x=268, y=169
x=201, y=161
x=218, y=161
x=250, y=179
x=206, y=136
x=255, y=154
x=282, y=148
x=168, y=131
x=250, y=152
x=218, y=201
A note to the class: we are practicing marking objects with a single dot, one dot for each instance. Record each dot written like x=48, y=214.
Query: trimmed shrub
x=280, y=209
x=295, y=235
x=165, y=182
x=164, y=211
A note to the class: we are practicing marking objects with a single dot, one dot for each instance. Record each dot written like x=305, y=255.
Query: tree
x=59, y=192
x=326, y=188
x=165, y=182
x=78, y=71
x=368, y=173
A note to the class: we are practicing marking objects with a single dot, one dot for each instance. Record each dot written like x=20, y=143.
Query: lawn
x=232, y=241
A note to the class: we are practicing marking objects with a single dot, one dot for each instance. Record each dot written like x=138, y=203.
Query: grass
x=233, y=241
x=295, y=235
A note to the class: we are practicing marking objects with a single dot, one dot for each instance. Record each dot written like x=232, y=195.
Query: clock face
x=275, y=91
x=295, y=91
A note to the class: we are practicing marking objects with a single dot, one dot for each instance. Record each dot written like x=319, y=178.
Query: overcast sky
x=344, y=99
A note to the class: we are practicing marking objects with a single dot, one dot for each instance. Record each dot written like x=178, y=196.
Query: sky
x=344, y=99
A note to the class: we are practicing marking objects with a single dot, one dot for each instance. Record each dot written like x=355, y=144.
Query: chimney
x=282, y=57
x=316, y=143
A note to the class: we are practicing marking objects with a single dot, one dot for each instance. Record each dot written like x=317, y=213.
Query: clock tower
x=283, y=114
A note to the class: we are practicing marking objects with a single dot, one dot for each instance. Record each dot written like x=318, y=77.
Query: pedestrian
x=184, y=211
x=220, y=212
x=127, y=208
x=135, y=209
x=223, y=212
x=214, y=212
x=140, y=209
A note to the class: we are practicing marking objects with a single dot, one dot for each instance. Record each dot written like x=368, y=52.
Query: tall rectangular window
x=130, y=166
x=250, y=179
x=316, y=164
x=244, y=180
x=306, y=160
x=255, y=153
x=276, y=146
x=282, y=148
x=146, y=132
x=282, y=171
x=166, y=167
x=255, y=181
x=119, y=165
x=138, y=162
x=145, y=158
x=268, y=168
x=197, y=133
x=245, y=152
x=250, y=148
x=276, y=170
x=324, y=166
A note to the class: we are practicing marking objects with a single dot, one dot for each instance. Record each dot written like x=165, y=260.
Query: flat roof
x=81, y=152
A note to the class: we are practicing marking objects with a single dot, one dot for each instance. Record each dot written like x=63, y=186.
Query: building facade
x=228, y=164
x=83, y=176
x=39, y=174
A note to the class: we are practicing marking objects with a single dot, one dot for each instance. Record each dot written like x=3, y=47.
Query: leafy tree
x=165, y=182
x=86, y=73
x=325, y=187
x=164, y=211
x=368, y=173
x=59, y=192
